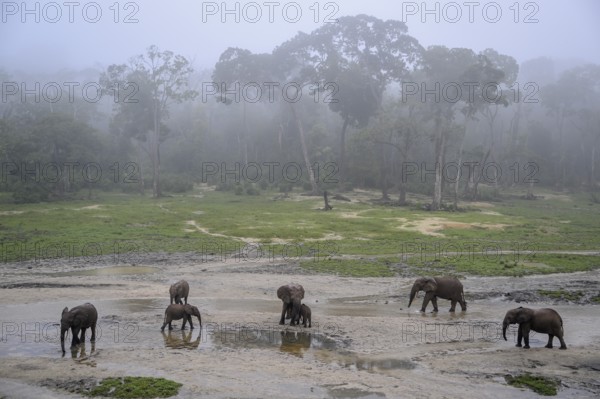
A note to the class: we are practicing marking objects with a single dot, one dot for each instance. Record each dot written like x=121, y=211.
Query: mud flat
x=364, y=342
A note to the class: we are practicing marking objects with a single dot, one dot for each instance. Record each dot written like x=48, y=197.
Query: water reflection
x=295, y=343
x=80, y=355
x=181, y=339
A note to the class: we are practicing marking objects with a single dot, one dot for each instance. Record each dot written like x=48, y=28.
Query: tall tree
x=164, y=77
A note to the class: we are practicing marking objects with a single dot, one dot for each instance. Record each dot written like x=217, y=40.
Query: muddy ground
x=364, y=342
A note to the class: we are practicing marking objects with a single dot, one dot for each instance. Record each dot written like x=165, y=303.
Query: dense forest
x=357, y=104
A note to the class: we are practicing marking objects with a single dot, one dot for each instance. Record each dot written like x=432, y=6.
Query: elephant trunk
x=413, y=293
x=504, y=327
x=296, y=304
x=62, y=339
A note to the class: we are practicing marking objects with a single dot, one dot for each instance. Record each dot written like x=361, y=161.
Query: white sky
x=564, y=29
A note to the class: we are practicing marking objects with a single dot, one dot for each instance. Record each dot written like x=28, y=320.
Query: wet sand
x=364, y=342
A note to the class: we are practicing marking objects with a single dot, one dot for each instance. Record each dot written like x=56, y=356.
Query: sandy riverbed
x=364, y=342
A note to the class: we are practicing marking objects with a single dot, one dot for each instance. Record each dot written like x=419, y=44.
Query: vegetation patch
x=135, y=387
x=573, y=296
x=541, y=385
x=512, y=264
x=379, y=267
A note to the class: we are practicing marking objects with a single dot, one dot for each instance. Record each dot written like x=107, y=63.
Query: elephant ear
x=522, y=316
x=430, y=285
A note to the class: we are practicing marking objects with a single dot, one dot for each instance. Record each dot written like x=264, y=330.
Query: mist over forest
x=356, y=103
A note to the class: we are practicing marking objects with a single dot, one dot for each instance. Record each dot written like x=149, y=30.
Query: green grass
x=223, y=222
x=135, y=387
x=512, y=264
x=351, y=267
x=541, y=385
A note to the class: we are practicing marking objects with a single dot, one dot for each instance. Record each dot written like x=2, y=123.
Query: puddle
x=109, y=271
x=353, y=393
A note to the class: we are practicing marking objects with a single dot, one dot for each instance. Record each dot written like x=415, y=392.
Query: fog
x=195, y=30
x=176, y=89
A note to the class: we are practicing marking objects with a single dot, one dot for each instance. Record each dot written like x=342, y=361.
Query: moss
x=540, y=385
x=135, y=387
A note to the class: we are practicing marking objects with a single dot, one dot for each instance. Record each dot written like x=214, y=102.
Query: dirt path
x=364, y=343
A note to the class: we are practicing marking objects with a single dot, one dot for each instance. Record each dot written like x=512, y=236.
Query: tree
x=162, y=79
x=361, y=55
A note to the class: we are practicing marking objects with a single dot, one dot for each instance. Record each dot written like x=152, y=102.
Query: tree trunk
x=311, y=175
x=155, y=155
x=245, y=137
x=342, y=168
x=139, y=161
x=458, y=172
x=327, y=206
x=436, y=204
x=383, y=168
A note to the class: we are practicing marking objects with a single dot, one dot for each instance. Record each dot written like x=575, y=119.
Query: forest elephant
x=78, y=319
x=178, y=311
x=305, y=315
x=439, y=287
x=179, y=290
x=291, y=295
x=544, y=321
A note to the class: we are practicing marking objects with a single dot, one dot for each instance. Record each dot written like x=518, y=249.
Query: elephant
x=291, y=295
x=78, y=318
x=443, y=287
x=179, y=290
x=544, y=321
x=305, y=315
x=178, y=311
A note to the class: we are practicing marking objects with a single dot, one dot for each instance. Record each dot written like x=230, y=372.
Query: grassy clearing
x=352, y=267
x=540, y=385
x=511, y=264
x=208, y=221
x=135, y=387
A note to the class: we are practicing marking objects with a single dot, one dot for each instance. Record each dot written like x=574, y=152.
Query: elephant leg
x=526, y=336
x=93, y=327
x=185, y=319
x=75, y=333
x=562, y=342
x=426, y=300
x=190, y=321
x=82, y=339
x=434, y=303
x=186, y=299
x=463, y=305
x=550, y=339
x=453, y=305
x=519, y=336
x=283, y=311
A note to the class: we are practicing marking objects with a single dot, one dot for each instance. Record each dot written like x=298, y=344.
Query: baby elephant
x=305, y=315
x=179, y=290
x=545, y=321
x=177, y=311
x=78, y=319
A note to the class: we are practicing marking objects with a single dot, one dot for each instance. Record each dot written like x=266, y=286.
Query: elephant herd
x=544, y=321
